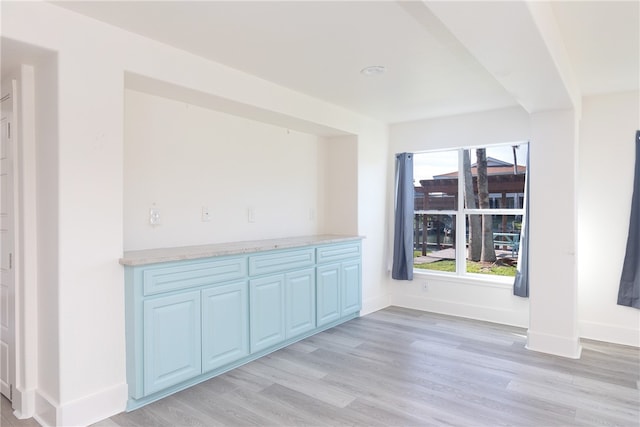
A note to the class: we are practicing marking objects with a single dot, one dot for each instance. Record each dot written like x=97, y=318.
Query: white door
x=7, y=277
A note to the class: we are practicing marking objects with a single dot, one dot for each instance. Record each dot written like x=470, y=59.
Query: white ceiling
x=602, y=39
x=319, y=47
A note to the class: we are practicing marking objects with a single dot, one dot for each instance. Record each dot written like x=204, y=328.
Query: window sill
x=505, y=282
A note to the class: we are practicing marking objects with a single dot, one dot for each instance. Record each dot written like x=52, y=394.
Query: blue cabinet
x=282, y=307
x=300, y=302
x=192, y=319
x=267, y=312
x=351, y=283
x=225, y=330
x=171, y=340
x=173, y=276
x=328, y=293
x=278, y=261
x=339, y=284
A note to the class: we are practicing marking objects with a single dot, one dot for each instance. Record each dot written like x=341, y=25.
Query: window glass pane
x=493, y=243
x=434, y=242
x=436, y=180
x=500, y=172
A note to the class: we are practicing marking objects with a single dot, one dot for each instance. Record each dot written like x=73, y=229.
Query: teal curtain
x=629, y=291
x=403, y=225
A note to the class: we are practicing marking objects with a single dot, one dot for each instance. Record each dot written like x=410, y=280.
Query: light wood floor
x=400, y=367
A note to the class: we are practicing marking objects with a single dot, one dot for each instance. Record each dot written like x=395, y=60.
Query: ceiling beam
x=519, y=43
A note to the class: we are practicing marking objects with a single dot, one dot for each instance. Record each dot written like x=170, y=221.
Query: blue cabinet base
x=191, y=320
x=137, y=403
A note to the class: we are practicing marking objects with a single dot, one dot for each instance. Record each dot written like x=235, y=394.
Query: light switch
x=251, y=215
x=206, y=216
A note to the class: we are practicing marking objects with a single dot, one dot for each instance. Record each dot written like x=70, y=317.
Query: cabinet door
x=266, y=311
x=225, y=334
x=172, y=352
x=351, y=287
x=328, y=293
x=300, y=302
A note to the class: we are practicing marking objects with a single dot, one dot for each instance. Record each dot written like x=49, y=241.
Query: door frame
x=9, y=93
x=25, y=236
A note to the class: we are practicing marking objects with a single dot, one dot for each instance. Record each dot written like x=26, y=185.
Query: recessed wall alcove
x=258, y=173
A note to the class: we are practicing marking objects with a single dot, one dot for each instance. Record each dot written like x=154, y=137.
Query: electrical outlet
x=425, y=287
x=154, y=216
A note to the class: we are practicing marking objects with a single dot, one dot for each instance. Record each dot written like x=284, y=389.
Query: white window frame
x=460, y=215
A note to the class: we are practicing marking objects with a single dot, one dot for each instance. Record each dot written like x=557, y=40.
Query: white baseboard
x=554, y=344
x=93, y=408
x=374, y=304
x=468, y=311
x=609, y=333
x=24, y=403
x=46, y=410
x=81, y=412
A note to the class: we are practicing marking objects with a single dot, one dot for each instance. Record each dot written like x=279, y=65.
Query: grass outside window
x=449, y=265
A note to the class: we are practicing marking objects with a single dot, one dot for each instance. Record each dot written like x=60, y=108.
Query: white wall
x=81, y=377
x=340, y=185
x=47, y=295
x=553, y=314
x=605, y=185
x=372, y=207
x=180, y=157
x=489, y=299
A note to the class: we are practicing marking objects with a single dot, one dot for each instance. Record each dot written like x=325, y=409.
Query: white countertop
x=152, y=256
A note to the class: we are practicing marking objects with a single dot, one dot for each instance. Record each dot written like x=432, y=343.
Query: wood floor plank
x=317, y=389
x=292, y=366
x=580, y=399
x=207, y=403
x=279, y=414
x=590, y=417
x=317, y=413
x=246, y=380
x=389, y=416
x=7, y=419
x=104, y=423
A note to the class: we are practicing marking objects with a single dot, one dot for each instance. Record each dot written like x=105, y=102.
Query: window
x=469, y=207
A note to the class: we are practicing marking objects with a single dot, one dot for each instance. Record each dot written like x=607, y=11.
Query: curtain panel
x=403, y=225
x=629, y=291
x=521, y=282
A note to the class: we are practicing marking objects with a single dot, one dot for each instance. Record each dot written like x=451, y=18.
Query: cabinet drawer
x=280, y=261
x=195, y=273
x=338, y=252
